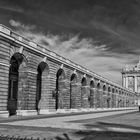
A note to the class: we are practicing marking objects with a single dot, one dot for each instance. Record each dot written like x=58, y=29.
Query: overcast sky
x=102, y=35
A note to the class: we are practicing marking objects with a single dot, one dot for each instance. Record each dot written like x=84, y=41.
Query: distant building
x=131, y=77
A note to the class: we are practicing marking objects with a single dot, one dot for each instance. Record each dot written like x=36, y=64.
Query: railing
x=2, y=137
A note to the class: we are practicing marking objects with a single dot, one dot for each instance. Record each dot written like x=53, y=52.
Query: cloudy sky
x=102, y=35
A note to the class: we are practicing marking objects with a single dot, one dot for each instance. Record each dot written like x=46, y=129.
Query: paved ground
x=124, y=125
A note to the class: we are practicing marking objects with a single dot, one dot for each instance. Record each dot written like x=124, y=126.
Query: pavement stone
x=64, y=121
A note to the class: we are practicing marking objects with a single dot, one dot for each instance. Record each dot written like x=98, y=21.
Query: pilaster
x=136, y=84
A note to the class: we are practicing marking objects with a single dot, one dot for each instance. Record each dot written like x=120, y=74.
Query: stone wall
x=56, y=92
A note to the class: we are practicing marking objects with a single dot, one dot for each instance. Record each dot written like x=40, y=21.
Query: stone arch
x=84, y=95
x=119, y=98
x=109, y=97
x=60, y=88
x=17, y=83
x=113, y=90
x=92, y=90
x=84, y=81
x=104, y=96
x=119, y=92
x=104, y=88
x=116, y=96
x=73, y=91
x=98, y=95
x=42, y=83
x=98, y=85
x=73, y=78
x=92, y=84
x=109, y=89
x=113, y=98
x=123, y=100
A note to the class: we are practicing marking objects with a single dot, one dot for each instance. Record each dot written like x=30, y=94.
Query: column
x=135, y=84
x=124, y=81
x=126, y=84
x=4, y=76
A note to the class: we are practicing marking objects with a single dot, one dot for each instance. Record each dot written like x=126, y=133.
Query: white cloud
x=12, y=9
x=17, y=24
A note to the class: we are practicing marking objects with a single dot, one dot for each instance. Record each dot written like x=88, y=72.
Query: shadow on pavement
x=97, y=131
x=104, y=131
x=108, y=126
x=109, y=131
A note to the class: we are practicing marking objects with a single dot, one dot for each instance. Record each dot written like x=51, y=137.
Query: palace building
x=131, y=77
x=35, y=80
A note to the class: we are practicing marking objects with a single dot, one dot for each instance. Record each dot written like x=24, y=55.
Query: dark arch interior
x=113, y=90
x=73, y=78
x=15, y=62
x=92, y=84
x=109, y=89
x=98, y=86
x=41, y=68
x=84, y=81
x=59, y=76
x=104, y=88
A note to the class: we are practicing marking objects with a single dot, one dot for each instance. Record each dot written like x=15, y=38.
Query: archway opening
x=15, y=62
x=104, y=88
x=42, y=73
x=73, y=78
x=60, y=84
x=104, y=96
x=73, y=88
x=84, y=81
x=109, y=89
x=91, y=99
x=98, y=86
x=92, y=85
x=84, y=95
x=109, y=98
x=98, y=104
x=113, y=98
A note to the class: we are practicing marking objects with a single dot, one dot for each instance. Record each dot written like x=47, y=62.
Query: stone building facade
x=131, y=77
x=35, y=80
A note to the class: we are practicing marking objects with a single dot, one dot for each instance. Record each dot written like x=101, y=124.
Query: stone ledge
x=26, y=112
x=4, y=114
x=46, y=111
